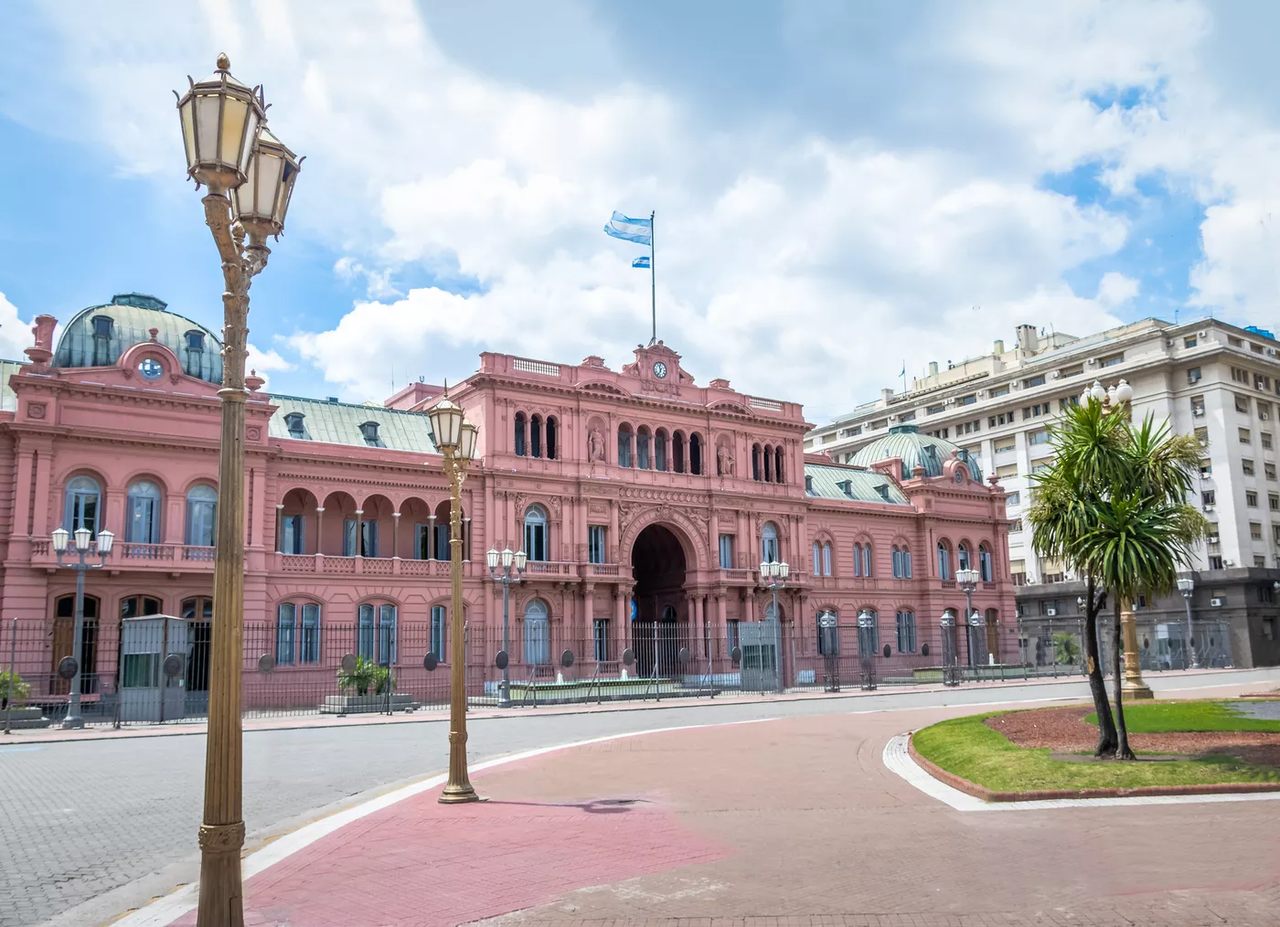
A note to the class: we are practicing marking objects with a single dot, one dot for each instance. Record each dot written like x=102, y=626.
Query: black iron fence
x=156, y=670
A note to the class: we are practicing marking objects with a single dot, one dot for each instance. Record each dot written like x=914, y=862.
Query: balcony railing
x=140, y=554
x=326, y=564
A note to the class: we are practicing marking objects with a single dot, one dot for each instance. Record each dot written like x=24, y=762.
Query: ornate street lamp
x=1186, y=585
x=947, y=627
x=500, y=570
x=456, y=439
x=775, y=575
x=230, y=152
x=967, y=580
x=83, y=538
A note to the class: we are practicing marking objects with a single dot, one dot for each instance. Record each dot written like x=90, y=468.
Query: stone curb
x=989, y=795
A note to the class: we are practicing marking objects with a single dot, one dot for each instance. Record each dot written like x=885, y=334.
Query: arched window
x=520, y=434
x=202, y=507
x=535, y=436
x=901, y=562
x=866, y=559
x=63, y=636
x=553, y=438
x=695, y=454
x=644, y=456
x=817, y=559
x=777, y=465
x=826, y=559
x=376, y=632
x=537, y=633
x=307, y=637
x=624, y=446
x=769, y=542
x=536, y=542
x=660, y=449
x=868, y=636
x=962, y=557
x=755, y=462
x=985, y=566
x=944, y=560
x=142, y=518
x=83, y=505
x=828, y=638
x=677, y=452
x=138, y=606
x=857, y=559
x=907, y=639
x=286, y=619
x=768, y=463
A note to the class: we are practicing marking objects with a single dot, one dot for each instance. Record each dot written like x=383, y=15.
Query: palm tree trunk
x=1097, y=685
x=1122, y=733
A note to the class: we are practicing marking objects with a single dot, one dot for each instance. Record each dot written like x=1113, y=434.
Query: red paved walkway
x=793, y=821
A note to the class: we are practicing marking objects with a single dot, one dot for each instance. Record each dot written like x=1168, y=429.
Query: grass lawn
x=1167, y=717
x=970, y=749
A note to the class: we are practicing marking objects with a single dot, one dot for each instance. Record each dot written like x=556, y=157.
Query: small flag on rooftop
x=641, y=262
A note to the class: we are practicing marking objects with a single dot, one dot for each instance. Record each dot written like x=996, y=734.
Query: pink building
x=644, y=500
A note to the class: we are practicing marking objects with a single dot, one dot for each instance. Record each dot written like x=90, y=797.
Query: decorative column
x=589, y=607
x=395, y=535
x=1133, y=686
x=319, y=530
x=359, y=552
x=431, y=529
x=280, y=527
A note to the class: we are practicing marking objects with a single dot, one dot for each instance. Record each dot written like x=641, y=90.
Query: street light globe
x=260, y=203
x=220, y=118
x=866, y=619
x=82, y=535
x=470, y=435
x=946, y=619
x=60, y=538
x=766, y=568
x=783, y=569
x=491, y=558
x=507, y=558
x=1124, y=392
x=105, y=541
x=446, y=424
x=1097, y=392
x=1186, y=585
x=521, y=560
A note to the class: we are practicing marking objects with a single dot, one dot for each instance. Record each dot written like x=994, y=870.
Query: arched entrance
x=659, y=623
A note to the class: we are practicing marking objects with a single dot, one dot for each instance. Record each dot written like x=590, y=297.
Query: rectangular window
x=1073, y=371
x=1259, y=560
x=309, y=649
x=1246, y=466
x=1215, y=562
x=1269, y=469
x=140, y=670
x=595, y=543
x=348, y=537
x=906, y=622
x=1255, y=531
x=1246, y=436
x=1238, y=375
x=1012, y=499
x=1193, y=374
x=1251, y=499
x=387, y=635
x=422, y=542
x=1038, y=437
x=733, y=637
x=997, y=391
x=364, y=632
x=291, y=534
x=726, y=552
x=1265, y=438
x=600, y=639
x=826, y=559
x=1242, y=404
x=935, y=409
x=1208, y=497
x=1029, y=382
x=439, y=624
x=967, y=400
x=1274, y=501
x=1111, y=360
x=1206, y=469
x=1197, y=406
x=1006, y=444
x=286, y=615
x=1189, y=341
x=369, y=539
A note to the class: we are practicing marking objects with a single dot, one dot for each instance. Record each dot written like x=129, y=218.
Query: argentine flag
x=638, y=230
x=641, y=262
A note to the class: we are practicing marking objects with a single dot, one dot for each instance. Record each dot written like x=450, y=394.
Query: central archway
x=659, y=620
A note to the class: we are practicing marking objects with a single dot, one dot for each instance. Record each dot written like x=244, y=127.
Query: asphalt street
x=91, y=829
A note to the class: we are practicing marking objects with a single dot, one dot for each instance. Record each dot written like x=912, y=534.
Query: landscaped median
x=1045, y=753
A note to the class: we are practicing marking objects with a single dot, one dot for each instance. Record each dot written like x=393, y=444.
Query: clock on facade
x=151, y=368
x=659, y=370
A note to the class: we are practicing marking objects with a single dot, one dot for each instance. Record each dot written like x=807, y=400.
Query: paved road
x=90, y=829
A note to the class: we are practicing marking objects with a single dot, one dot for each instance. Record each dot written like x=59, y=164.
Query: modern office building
x=1206, y=377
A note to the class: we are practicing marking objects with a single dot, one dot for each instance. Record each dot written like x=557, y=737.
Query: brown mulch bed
x=1064, y=730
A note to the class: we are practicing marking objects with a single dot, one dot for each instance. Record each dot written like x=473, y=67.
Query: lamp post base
x=1136, y=690
x=458, y=794
x=72, y=724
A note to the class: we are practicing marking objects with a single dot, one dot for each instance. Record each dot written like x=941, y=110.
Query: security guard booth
x=153, y=659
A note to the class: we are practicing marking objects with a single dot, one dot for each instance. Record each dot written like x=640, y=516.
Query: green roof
x=328, y=422
x=830, y=482
x=914, y=449
x=8, y=398
x=133, y=315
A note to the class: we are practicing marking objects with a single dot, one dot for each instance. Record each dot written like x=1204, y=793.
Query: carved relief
x=36, y=410
x=253, y=433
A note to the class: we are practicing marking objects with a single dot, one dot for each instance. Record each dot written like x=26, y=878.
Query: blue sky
x=837, y=185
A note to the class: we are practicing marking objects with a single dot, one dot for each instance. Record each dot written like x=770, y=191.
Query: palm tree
x=1087, y=443
x=1142, y=529
x=1112, y=506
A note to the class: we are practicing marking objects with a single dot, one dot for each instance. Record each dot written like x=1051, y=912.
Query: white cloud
x=796, y=263
x=265, y=362
x=15, y=334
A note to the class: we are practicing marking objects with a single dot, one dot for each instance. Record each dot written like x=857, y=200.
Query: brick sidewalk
x=792, y=821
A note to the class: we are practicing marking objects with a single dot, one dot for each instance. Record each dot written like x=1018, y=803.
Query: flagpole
x=653, y=281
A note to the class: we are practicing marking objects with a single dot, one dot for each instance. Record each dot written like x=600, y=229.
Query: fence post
x=13, y=675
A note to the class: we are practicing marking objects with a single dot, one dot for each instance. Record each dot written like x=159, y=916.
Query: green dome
x=97, y=336
x=915, y=450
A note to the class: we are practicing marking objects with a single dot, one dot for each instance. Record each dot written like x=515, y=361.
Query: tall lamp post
x=500, y=570
x=967, y=580
x=1118, y=396
x=83, y=538
x=250, y=176
x=1186, y=585
x=456, y=439
x=775, y=576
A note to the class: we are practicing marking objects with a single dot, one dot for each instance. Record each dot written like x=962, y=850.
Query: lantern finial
x=224, y=63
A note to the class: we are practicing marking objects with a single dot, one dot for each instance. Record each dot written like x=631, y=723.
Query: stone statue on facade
x=724, y=460
x=595, y=445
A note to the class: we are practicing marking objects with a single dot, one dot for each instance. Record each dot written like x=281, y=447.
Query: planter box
x=357, y=704
x=24, y=718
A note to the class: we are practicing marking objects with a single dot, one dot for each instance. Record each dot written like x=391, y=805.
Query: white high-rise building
x=1207, y=378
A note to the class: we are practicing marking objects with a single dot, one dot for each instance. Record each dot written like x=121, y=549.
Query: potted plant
x=13, y=690
x=374, y=688
x=12, y=686
x=364, y=675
